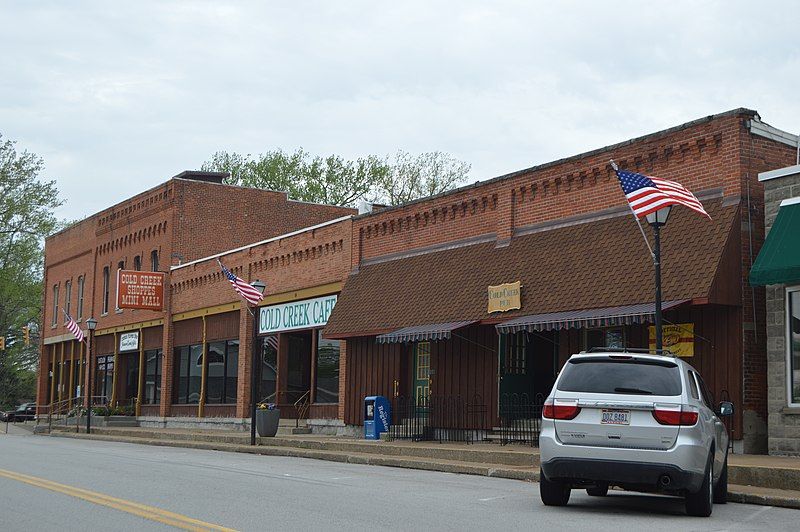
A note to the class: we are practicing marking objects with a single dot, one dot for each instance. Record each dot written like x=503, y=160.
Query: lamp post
x=657, y=220
x=260, y=286
x=91, y=324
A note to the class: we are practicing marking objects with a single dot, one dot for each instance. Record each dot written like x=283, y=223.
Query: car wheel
x=701, y=502
x=601, y=490
x=553, y=493
x=721, y=489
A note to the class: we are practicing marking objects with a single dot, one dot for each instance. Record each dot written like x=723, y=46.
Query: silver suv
x=637, y=420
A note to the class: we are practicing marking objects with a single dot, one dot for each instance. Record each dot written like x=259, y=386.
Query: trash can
x=377, y=416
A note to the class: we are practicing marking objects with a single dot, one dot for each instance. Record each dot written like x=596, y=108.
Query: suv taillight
x=680, y=416
x=560, y=409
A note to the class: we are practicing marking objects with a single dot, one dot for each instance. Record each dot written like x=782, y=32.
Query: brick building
x=191, y=216
x=414, y=310
x=409, y=284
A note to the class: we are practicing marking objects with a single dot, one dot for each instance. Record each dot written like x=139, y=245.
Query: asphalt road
x=119, y=486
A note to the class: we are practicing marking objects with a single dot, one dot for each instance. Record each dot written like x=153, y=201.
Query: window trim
x=67, y=299
x=79, y=301
x=54, y=321
x=788, y=336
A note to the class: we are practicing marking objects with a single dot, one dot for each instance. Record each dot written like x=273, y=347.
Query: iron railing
x=439, y=418
x=301, y=407
x=520, y=418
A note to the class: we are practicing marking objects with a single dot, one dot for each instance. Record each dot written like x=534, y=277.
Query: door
x=514, y=371
x=422, y=372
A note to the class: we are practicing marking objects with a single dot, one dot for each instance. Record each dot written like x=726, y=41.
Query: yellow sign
x=678, y=338
x=504, y=297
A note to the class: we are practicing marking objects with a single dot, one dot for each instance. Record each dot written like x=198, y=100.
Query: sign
x=504, y=297
x=678, y=338
x=140, y=290
x=129, y=341
x=304, y=314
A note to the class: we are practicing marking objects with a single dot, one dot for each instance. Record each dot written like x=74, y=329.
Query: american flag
x=649, y=194
x=272, y=341
x=74, y=328
x=242, y=287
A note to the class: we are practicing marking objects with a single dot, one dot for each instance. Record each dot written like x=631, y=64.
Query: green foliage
x=105, y=411
x=26, y=217
x=338, y=181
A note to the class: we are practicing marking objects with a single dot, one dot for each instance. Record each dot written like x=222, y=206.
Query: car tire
x=601, y=490
x=553, y=493
x=701, y=502
x=721, y=489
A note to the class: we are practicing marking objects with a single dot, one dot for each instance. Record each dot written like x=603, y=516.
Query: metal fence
x=520, y=418
x=439, y=418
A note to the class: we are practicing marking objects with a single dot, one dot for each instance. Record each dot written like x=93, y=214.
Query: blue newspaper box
x=377, y=416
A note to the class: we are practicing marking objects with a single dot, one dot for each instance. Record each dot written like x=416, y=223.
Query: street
x=63, y=484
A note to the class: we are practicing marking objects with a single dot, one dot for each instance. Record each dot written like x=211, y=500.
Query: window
x=120, y=266
x=105, y=290
x=223, y=369
x=154, y=260
x=55, y=306
x=610, y=337
x=67, y=299
x=692, y=385
x=104, y=377
x=152, y=376
x=516, y=358
x=623, y=376
x=80, y=297
x=188, y=374
x=793, y=345
x=137, y=263
x=708, y=399
x=269, y=368
x=327, y=374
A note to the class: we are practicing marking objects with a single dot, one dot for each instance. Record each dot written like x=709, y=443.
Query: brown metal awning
x=420, y=333
x=596, y=317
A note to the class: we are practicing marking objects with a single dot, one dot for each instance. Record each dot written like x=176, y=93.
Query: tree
x=26, y=217
x=338, y=181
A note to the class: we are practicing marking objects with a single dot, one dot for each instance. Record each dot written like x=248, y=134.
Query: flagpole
x=647, y=242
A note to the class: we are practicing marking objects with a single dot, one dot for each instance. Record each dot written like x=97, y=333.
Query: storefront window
x=269, y=368
x=223, y=367
x=104, y=377
x=152, y=377
x=327, y=374
x=793, y=337
x=610, y=337
x=188, y=373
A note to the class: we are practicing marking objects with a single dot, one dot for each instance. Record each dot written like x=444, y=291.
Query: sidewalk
x=753, y=479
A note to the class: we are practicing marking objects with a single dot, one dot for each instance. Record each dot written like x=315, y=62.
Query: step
x=784, y=498
x=518, y=455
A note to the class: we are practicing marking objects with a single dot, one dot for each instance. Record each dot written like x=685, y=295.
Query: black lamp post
x=657, y=220
x=260, y=286
x=91, y=324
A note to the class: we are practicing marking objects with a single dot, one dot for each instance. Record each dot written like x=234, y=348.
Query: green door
x=422, y=372
x=515, y=373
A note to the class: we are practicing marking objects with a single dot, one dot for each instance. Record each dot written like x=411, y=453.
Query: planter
x=267, y=422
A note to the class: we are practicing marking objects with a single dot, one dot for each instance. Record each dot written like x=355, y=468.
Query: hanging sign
x=678, y=338
x=305, y=314
x=129, y=341
x=140, y=290
x=504, y=297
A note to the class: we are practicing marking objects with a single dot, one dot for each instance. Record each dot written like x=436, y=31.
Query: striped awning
x=421, y=333
x=596, y=317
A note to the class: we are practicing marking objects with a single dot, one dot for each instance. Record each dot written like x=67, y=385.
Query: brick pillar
x=168, y=359
x=245, y=363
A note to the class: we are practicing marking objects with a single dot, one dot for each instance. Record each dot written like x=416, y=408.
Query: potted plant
x=267, y=417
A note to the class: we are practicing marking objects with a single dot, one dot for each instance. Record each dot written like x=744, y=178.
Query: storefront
x=299, y=368
x=425, y=328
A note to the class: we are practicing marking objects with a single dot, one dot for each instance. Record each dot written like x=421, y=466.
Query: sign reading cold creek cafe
x=305, y=314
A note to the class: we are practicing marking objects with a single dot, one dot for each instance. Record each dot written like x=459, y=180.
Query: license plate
x=615, y=417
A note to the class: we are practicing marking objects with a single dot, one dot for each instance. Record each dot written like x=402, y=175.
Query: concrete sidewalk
x=754, y=479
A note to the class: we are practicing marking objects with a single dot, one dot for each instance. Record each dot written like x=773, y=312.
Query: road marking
x=147, y=512
x=493, y=498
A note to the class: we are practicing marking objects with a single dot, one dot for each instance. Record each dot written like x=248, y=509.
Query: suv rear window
x=621, y=376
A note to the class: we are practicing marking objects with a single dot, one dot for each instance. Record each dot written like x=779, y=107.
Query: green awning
x=779, y=259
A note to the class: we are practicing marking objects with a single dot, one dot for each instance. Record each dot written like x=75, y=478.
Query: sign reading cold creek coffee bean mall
x=504, y=297
x=305, y=314
x=140, y=290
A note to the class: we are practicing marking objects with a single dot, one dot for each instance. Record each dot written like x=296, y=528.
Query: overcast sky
x=119, y=96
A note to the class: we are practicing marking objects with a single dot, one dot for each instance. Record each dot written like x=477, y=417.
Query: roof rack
x=642, y=350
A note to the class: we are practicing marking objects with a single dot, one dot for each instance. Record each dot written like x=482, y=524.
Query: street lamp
x=260, y=286
x=657, y=220
x=91, y=324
